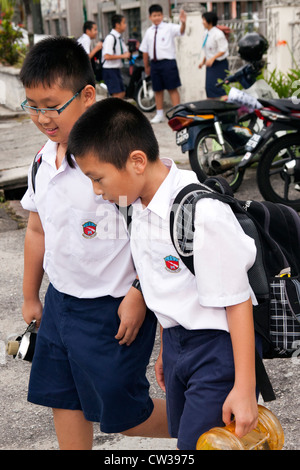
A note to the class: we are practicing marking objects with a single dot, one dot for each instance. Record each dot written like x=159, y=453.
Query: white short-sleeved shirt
x=223, y=255
x=87, y=250
x=165, y=44
x=85, y=41
x=215, y=42
x=108, y=48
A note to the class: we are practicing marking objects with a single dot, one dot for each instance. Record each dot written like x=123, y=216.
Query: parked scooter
x=213, y=130
x=137, y=85
x=278, y=171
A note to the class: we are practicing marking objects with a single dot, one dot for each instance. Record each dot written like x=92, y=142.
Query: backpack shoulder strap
x=115, y=41
x=127, y=214
x=182, y=218
x=35, y=166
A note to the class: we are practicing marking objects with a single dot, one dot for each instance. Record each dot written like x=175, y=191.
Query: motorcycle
x=138, y=86
x=214, y=130
x=278, y=171
x=211, y=130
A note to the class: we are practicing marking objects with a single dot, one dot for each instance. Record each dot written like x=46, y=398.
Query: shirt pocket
x=93, y=235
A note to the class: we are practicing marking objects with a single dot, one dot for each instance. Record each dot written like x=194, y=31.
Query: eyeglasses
x=48, y=112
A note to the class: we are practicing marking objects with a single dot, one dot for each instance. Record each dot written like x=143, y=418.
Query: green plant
x=12, y=51
x=283, y=83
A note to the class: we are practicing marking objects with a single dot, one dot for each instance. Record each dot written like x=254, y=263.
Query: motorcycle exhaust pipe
x=225, y=163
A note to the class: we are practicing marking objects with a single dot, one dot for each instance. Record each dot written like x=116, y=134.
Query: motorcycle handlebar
x=247, y=73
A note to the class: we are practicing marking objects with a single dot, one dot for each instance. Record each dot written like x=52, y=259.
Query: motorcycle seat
x=283, y=104
x=209, y=106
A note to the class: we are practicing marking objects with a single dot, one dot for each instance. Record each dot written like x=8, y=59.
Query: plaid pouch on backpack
x=285, y=315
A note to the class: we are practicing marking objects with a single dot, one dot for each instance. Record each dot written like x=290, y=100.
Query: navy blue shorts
x=199, y=374
x=113, y=80
x=164, y=75
x=79, y=365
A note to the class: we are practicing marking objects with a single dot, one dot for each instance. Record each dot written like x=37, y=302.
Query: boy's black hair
x=116, y=19
x=88, y=25
x=58, y=60
x=155, y=8
x=111, y=129
x=210, y=17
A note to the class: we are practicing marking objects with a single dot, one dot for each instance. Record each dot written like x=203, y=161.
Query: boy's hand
x=32, y=310
x=132, y=311
x=126, y=55
x=244, y=409
x=210, y=62
x=159, y=372
x=147, y=70
x=182, y=16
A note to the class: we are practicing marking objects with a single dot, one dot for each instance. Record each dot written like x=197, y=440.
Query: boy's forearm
x=240, y=321
x=146, y=59
x=182, y=27
x=34, y=248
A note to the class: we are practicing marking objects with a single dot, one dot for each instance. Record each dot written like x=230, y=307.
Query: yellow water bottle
x=268, y=435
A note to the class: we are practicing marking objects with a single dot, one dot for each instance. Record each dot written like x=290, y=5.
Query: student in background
x=90, y=32
x=215, y=46
x=114, y=52
x=159, y=53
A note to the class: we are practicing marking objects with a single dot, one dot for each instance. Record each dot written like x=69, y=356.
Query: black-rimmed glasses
x=48, y=112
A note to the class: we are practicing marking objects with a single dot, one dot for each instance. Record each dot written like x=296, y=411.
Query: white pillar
x=189, y=54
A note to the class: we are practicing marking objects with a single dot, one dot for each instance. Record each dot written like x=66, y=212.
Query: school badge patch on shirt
x=89, y=230
x=172, y=264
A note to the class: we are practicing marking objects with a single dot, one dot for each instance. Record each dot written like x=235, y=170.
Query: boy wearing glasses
x=91, y=354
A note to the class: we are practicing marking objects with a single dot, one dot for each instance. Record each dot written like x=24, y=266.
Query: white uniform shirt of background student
x=112, y=46
x=215, y=41
x=165, y=45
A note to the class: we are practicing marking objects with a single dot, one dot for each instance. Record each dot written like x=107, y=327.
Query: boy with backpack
x=114, y=53
x=95, y=336
x=207, y=365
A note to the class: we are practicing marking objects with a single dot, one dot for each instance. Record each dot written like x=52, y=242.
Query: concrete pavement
x=26, y=426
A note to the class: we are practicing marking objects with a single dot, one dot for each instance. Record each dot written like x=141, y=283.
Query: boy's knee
x=154, y=426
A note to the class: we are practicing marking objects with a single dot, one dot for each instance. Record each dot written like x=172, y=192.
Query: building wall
x=283, y=33
x=66, y=16
x=62, y=17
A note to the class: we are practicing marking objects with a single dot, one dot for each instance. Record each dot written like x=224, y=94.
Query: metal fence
x=238, y=29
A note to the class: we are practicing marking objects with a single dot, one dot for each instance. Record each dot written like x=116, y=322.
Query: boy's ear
x=138, y=160
x=89, y=95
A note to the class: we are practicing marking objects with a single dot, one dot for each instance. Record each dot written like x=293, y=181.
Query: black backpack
x=97, y=63
x=274, y=277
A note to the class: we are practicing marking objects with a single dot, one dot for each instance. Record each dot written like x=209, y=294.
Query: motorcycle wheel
x=207, y=148
x=274, y=183
x=145, y=103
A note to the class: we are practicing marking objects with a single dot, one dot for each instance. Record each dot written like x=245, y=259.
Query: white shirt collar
x=158, y=26
x=115, y=33
x=160, y=203
x=49, y=152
